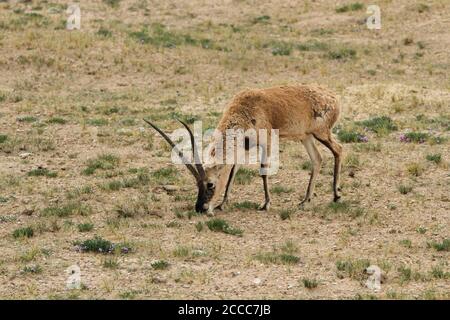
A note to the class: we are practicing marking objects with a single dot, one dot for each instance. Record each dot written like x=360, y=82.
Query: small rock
x=170, y=189
x=158, y=280
x=235, y=273
x=28, y=212
x=24, y=155
x=257, y=281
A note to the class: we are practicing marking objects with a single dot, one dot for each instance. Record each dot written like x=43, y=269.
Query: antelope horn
x=180, y=154
x=197, y=161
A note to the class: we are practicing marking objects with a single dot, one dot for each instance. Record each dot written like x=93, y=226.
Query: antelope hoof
x=264, y=207
x=302, y=203
x=220, y=207
x=210, y=212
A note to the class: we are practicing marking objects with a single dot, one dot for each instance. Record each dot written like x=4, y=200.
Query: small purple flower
x=363, y=138
x=404, y=138
x=125, y=250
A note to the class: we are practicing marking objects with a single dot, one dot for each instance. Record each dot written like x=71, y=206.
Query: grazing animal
x=300, y=112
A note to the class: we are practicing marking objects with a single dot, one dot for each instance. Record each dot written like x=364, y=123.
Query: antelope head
x=207, y=178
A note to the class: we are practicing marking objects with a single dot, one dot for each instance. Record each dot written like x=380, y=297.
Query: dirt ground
x=77, y=162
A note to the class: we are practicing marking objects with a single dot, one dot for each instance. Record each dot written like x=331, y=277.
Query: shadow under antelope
x=300, y=112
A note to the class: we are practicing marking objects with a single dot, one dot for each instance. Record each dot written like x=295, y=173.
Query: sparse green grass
x=133, y=208
x=159, y=35
x=417, y=137
x=245, y=176
x=66, y=210
x=246, y=205
x=141, y=179
x=42, y=172
x=275, y=258
x=112, y=3
x=438, y=273
x=28, y=119
x=406, y=243
x=380, y=125
x=26, y=232
x=173, y=224
x=199, y=226
x=421, y=230
x=355, y=6
x=220, y=225
x=102, y=162
x=284, y=254
x=97, y=244
x=100, y=245
x=85, y=227
x=77, y=192
x=404, y=189
x=33, y=269
x=415, y=169
x=312, y=45
x=103, y=32
x=307, y=165
x=342, y=54
x=261, y=19
x=310, y=283
x=352, y=161
x=98, y=122
x=354, y=269
x=437, y=140
x=165, y=175
x=30, y=255
x=288, y=258
x=346, y=208
x=181, y=252
x=3, y=138
x=110, y=263
x=160, y=265
x=436, y=158
x=350, y=136
x=281, y=48
x=422, y=7
x=280, y=189
x=406, y=274
x=286, y=214
x=367, y=147
x=57, y=120
x=440, y=246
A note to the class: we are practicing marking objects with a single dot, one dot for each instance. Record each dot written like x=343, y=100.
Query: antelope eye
x=210, y=185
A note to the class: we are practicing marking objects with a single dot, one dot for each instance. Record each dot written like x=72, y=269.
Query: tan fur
x=295, y=110
x=299, y=112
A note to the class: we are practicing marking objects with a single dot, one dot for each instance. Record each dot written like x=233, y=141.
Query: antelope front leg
x=230, y=182
x=266, y=205
x=316, y=160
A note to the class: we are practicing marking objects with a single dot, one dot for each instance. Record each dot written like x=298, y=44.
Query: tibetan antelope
x=300, y=112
